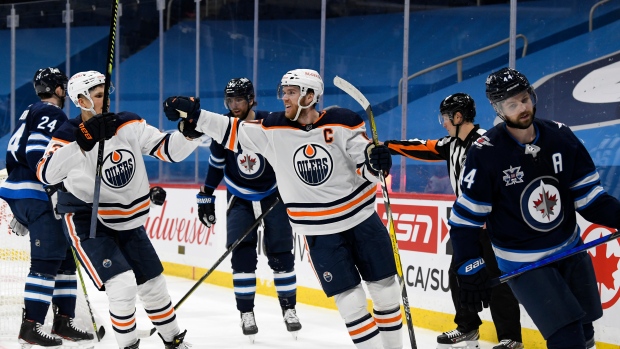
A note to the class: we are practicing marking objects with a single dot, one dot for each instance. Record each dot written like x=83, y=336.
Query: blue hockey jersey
x=528, y=195
x=247, y=174
x=32, y=133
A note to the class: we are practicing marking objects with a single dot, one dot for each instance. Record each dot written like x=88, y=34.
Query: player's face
x=518, y=109
x=239, y=106
x=290, y=98
x=96, y=95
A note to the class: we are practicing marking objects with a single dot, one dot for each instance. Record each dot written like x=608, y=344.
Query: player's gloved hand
x=378, y=159
x=474, y=287
x=158, y=195
x=176, y=107
x=206, y=208
x=97, y=128
x=188, y=129
x=17, y=228
x=52, y=194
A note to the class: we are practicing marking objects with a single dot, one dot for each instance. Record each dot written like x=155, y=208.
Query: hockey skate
x=31, y=334
x=291, y=321
x=177, y=342
x=508, y=344
x=65, y=328
x=456, y=339
x=136, y=345
x=590, y=344
x=248, y=325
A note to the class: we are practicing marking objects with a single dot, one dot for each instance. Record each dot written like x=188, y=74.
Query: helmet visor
x=516, y=104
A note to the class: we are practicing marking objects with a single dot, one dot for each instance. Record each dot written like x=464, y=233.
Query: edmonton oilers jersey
x=320, y=168
x=247, y=174
x=26, y=146
x=528, y=195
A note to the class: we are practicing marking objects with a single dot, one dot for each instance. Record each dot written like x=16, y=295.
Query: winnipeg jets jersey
x=528, y=195
x=320, y=169
x=247, y=174
x=124, y=196
x=453, y=150
x=26, y=146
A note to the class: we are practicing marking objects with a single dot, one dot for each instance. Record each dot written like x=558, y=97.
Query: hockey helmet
x=239, y=87
x=47, y=79
x=81, y=84
x=506, y=83
x=457, y=102
x=306, y=79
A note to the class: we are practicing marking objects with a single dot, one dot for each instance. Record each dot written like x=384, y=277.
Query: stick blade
x=351, y=91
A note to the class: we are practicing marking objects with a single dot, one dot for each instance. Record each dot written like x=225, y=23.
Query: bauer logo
x=416, y=226
x=118, y=168
x=313, y=164
x=606, y=262
x=251, y=165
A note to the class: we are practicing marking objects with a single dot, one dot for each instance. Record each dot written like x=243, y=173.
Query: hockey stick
x=359, y=97
x=98, y=332
x=104, y=109
x=221, y=259
x=554, y=258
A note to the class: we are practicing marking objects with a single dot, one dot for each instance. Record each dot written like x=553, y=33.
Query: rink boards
x=189, y=249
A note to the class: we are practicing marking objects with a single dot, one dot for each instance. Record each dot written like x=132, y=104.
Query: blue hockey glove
x=188, y=129
x=158, y=195
x=206, y=208
x=95, y=129
x=378, y=159
x=473, y=281
x=177, y=107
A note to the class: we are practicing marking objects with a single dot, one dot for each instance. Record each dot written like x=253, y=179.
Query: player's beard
x=521, y=123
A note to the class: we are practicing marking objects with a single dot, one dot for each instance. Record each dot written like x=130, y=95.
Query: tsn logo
x=416, y=226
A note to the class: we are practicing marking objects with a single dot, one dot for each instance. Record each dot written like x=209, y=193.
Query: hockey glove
x=474, y=288
x=177, y=107
x=158, y=195
x=52, y=194
x=206, y=208
x=97, y=128
x=188, y=129
x=378, y=159
x=17, y=228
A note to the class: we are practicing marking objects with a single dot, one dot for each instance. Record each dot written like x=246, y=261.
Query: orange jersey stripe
x=80, y=251
x=233, y=135
x=145, y=204
x=333, y=210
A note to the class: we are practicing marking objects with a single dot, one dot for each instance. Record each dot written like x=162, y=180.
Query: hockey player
x=52, y=277
x=456, y=115
x=327, y=170
x=120, y=259
x=251, y=188
x=526, y=178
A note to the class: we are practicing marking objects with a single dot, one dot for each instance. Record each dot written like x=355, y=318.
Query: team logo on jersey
x=481, y=141
x=541, y=205
x=107, y=263
x=513, y=175
x=118, y=168
x=313, y=164
x=251, y=165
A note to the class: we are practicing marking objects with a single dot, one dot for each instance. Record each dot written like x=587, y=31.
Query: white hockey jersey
x=124, y=196
x=320, y=168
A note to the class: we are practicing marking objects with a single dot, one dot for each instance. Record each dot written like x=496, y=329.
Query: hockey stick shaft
x=104, y=109
x=361, y=99
x=554, y=258
x=228, y=251
x=90, y=309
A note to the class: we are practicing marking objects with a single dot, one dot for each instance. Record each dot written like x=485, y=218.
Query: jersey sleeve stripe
x=40, y=148
x=232, y=139
x=589, y=179
x=583, y=201
x=460, y=221
x=475, y=207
